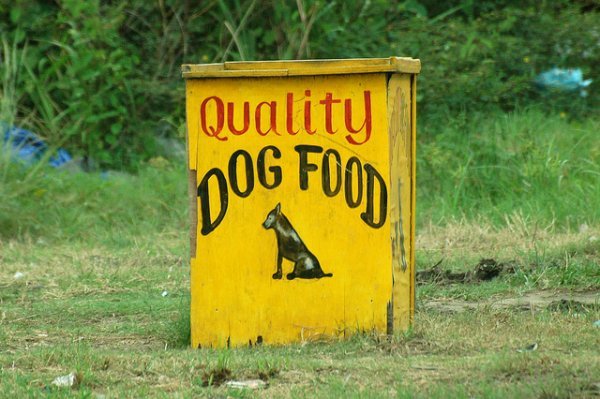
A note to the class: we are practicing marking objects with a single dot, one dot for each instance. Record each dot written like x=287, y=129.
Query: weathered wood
x=413, y=184
x=192, y=200
x=301, y=68
x=401, y=157
x=335, y=152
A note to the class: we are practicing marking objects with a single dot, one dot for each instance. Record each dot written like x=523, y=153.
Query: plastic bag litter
x=70, y=380
x=563, y=80
x=29, y=148
x=529, y=348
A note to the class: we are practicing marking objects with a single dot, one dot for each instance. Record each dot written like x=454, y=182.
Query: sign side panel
x=401, y=176
x=413, y=210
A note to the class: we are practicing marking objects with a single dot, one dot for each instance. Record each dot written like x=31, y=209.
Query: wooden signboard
x=302, y=188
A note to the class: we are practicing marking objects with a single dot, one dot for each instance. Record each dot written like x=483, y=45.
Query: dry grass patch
x=101, y=312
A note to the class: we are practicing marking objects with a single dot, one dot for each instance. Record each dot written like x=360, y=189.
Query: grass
x=521, y=168
x=542, y=258
x=100, y=311
x=94, y=279
x=111, y=207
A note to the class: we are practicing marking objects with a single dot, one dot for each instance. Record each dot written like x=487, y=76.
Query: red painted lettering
x=366, y=124
x=307, y=119
x=289, y=114
x=272, y=118
x=328, y=101
x=357, y=130
x=213, y=131
x=231, y=126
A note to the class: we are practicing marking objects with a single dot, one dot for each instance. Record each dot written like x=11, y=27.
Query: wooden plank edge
x=413, y=207
x=193, y=210
x=301, y=68
x=192, y=200
x=306, y=64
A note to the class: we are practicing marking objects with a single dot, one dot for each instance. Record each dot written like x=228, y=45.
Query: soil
x=553, y=300
x=485, y=270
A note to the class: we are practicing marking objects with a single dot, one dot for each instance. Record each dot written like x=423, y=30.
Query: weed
x=220, y=373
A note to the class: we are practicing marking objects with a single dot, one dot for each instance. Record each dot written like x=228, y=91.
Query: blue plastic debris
x=29, y=148
x=563, y=80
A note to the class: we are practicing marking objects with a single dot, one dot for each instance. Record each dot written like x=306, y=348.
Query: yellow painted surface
x=303, y=67
x=401, y=157
x=235, y=298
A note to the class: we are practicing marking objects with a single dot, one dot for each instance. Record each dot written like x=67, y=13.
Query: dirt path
x=553, y=299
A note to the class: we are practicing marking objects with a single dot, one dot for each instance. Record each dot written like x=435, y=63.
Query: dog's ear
x=278, y=208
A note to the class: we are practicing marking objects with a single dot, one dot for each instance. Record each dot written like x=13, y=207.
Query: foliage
x=488, y=62
x=102, y=78
x=77, y=88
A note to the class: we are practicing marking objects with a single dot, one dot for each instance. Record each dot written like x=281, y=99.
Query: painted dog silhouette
x=291, y=247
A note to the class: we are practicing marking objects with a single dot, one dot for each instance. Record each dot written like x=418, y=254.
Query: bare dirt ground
x=532, y=300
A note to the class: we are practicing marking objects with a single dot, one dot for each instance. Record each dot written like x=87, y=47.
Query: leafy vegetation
x=103, y=78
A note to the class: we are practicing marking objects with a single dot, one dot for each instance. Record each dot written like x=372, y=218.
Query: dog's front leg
x=277, y=274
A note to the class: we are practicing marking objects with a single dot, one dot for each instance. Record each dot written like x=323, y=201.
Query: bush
x=488, y=63
x=102, y=78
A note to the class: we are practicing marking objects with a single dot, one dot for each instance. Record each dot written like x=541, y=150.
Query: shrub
x=102, y=78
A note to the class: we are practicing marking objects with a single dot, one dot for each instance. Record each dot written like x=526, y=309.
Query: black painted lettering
x=368, y=215
x=304, y=166
x=349, y=177
x=233, y=177
x=275, y=170
x=207, y=224
x=326, y=176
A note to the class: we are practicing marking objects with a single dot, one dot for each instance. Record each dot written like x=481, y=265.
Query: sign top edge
x=302, y=67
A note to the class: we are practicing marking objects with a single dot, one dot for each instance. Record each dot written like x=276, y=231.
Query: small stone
x=165, y=293
x=18, y=275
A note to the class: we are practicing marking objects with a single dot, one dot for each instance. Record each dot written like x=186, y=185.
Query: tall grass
x=112, y=208
x=544, y=169
x=15, y=181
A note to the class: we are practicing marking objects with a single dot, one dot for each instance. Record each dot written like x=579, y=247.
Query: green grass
x=114, y=208
x=541, y=258
x=524, y=171
x=525, y=167
x=96, y=253
x=99, y=311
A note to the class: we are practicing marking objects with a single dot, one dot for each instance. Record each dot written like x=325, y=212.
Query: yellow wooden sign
x=302, y=199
